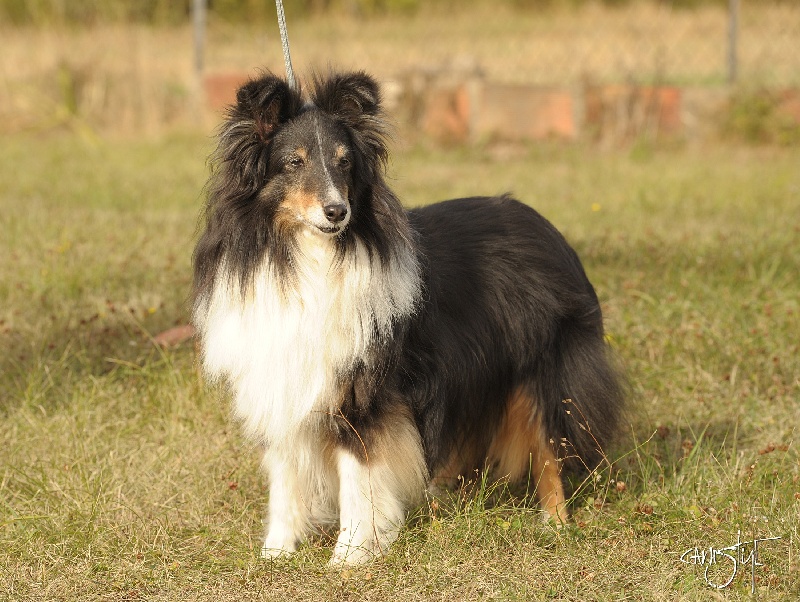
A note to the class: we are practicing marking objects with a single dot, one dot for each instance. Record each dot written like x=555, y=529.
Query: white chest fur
x=285, y=355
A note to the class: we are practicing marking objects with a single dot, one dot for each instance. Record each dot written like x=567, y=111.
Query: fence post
x=733, y=32
x=199, y=25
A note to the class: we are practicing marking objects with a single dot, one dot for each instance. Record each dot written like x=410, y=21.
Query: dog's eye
x=295, y=162
x=344, y=163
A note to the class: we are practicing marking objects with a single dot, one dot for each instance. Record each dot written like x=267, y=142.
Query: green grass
x=123, y=478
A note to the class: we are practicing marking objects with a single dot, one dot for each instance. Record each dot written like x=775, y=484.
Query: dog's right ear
x=240, y=163
x=266, y=102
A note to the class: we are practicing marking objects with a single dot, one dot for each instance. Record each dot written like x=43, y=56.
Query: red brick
x=789, y=104
x=446, y=114
x=516, y=112
x=220, y=88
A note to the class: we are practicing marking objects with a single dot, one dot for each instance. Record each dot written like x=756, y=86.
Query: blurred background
x=455, y=72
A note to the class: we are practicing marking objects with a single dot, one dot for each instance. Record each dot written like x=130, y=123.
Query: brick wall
x=460, y=106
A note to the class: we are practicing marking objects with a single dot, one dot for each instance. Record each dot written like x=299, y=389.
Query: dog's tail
x=582, y=393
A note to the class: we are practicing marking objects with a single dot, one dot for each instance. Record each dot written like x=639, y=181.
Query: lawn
x=123, y=477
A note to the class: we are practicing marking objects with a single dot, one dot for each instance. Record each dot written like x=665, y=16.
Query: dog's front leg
x=370, y=513
x=288, y=520
x=377, y=487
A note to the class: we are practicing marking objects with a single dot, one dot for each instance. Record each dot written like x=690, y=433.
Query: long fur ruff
x=375, y=351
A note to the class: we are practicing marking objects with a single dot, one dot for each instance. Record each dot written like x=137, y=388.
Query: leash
x=287, y=59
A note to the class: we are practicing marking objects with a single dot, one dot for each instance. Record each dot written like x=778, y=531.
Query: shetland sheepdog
x=376, y=352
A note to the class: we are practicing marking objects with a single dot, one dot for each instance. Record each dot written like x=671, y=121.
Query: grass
x=123, y=478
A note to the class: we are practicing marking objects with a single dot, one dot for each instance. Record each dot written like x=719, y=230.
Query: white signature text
x=736, y=556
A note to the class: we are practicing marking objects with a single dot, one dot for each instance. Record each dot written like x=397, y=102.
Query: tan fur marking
x=520, y=445
x=299, y=201
x=549, y=489
x=446, y=475
x=456, y=467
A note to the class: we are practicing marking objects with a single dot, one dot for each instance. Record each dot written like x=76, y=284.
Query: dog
x=377, y=352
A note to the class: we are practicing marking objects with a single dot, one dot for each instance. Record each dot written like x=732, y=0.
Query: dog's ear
x=266, y=102
x=348, y=96
x=354, y=99
x=240, y=163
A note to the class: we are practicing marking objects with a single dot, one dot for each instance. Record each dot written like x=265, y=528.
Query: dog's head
x=296, y=163
x=287, y=164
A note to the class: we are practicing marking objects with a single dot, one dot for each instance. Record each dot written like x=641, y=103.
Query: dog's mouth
x=330, y=229
x=325, y=229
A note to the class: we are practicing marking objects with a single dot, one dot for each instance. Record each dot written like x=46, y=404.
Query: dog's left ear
x=354, y=99
x=348, y=95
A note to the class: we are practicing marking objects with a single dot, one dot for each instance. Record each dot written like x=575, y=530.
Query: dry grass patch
x=123, y=478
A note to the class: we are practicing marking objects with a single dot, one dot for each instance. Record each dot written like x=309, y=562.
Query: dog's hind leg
x=376, y=488
x=520, y=445
x=549, y=487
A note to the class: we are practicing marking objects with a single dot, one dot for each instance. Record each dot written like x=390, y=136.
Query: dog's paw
x=353, y=548
x=279, y=542
x=276, y=550
x=350, y=556
x=558, y=520
x=274, y=553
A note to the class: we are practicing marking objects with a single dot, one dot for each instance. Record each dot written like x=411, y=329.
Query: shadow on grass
x=40, y=366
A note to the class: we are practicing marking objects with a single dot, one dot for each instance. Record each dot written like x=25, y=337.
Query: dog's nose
x=335, y=212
